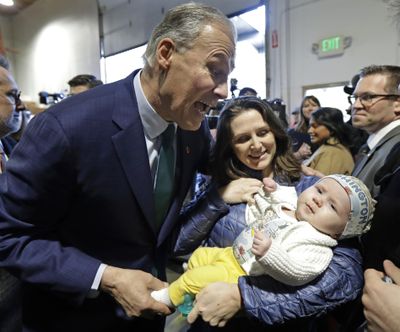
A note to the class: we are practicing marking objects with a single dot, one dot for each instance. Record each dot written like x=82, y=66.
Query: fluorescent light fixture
x=7, y=3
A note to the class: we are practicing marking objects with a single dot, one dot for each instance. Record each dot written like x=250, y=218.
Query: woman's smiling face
x=253, y=142
x=309, y=106
x=319, y=133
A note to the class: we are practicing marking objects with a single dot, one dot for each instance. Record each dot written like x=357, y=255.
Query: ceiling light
x=8, y=3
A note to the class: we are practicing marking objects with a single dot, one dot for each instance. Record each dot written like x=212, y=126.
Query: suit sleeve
x=35, y=193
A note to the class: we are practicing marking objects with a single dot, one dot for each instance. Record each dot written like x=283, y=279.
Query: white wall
x=300, y=23
x=7, y=40
x=56, y=40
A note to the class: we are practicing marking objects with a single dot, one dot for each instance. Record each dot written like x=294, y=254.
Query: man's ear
x=165, y=51
x=396, y=105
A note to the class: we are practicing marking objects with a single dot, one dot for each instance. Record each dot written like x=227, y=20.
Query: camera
x=50, y=98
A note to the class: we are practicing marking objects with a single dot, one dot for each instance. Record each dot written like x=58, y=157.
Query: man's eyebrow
x=223, y=57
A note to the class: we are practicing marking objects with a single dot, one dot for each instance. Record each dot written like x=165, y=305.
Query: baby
x=291, y=244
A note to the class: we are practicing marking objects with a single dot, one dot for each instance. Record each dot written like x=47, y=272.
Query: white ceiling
x=128, y=23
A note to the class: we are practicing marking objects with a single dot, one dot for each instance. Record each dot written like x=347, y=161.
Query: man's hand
x=381, y=300
x=131, y=289
x=240, y=190
x=216, y=304
x=261, y=244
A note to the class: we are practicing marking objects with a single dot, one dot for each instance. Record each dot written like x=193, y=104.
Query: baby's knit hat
x=362, y=205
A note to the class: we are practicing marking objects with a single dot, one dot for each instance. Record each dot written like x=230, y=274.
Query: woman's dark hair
x=226, y=167
x=302, y=125
x=332, y=118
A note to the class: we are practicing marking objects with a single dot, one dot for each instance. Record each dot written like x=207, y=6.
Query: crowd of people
x=94, y=198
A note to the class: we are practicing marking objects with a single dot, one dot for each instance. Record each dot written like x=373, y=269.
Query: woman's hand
x=303, y=152
x=311, y=172
x=216, y=304
x=240, y=190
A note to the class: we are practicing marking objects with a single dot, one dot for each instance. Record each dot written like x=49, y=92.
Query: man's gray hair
x=183, y=24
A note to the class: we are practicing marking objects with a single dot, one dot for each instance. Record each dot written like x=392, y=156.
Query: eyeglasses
x=367, y=99
x=14, y=96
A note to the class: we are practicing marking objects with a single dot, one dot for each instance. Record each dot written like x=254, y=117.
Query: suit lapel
x=131, y=149
x=362, y=159
x=130, y=146
x=365, y=159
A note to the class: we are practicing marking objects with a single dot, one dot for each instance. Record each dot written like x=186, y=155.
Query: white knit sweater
x=298, y=253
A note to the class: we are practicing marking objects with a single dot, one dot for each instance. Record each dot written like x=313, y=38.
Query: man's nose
x=20, y=106
x=222, y=90
x=357, y=104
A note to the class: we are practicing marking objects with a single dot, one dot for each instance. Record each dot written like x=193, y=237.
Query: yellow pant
x=206, y=265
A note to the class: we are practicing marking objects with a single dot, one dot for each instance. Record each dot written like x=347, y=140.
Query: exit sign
x=331, y=46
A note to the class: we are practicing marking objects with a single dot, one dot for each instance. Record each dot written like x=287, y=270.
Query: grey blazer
x=365, y=169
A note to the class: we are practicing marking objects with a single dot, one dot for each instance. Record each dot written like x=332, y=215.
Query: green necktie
x=165, y=175
x=3, y=159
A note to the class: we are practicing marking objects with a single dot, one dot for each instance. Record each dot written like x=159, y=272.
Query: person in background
x=83, y=82
x=382, y=251
x=333, y=136
x=378, y=308
x=376, y=110
x=246, y=91
x=301, y=142
x=15, y=126
x=85, y=221
x=251, y=145
x=11, y=107
x=279, y=108
x=294, y=118
x=359, y=136
x=383, y=242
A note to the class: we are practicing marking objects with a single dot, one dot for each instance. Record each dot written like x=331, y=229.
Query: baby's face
x=326, y=206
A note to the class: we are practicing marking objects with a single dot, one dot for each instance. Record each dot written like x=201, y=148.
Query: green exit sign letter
x=330, y=46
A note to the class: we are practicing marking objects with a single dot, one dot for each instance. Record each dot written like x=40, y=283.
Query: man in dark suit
x=77, y=204
x=380, y=298
x=376, y=109
x=11, y=108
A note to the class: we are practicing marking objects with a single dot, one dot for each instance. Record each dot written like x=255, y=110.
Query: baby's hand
x=269, y=185
x=261, y=244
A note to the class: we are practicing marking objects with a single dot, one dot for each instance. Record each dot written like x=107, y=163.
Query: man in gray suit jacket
x=77, y=201
x=376, y=109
